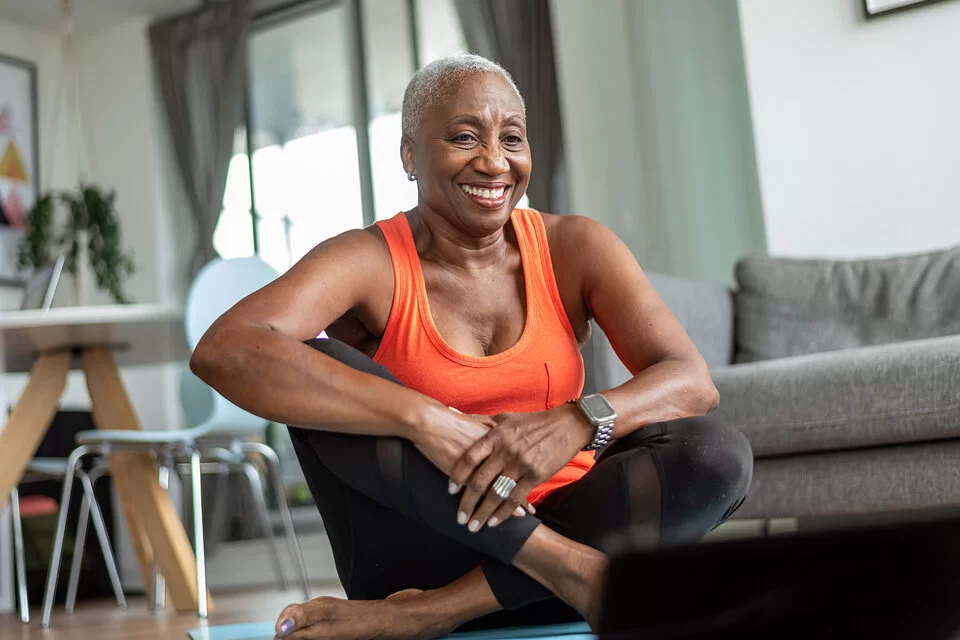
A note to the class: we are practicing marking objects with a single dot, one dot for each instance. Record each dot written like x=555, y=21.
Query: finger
x=475, y=488
x=469, y=461
x=491, y=503
x=518, y=497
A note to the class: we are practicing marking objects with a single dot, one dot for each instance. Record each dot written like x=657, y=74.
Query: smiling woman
x=441, y=428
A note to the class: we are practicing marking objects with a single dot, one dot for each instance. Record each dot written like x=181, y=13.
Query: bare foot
x=588, y=587
x=574, y=572
x=403, y=615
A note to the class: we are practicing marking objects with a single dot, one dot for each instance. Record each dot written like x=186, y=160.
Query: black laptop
x=876, y=582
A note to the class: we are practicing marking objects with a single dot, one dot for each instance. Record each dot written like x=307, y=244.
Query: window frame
x=360, y=89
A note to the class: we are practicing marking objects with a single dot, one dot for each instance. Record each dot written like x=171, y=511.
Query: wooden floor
x=103, y=620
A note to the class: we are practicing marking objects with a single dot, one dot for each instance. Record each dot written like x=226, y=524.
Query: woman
x=454, y=477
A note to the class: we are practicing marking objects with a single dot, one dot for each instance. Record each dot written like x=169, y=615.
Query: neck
x=450, y=245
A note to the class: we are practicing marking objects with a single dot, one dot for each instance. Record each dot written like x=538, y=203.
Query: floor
x=104, y=621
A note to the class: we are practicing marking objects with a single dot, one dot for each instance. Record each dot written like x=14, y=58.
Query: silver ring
x=503, y=486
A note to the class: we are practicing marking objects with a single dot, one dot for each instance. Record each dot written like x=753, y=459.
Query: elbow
x=711, y=395
x=703, y=392
x=207, y=359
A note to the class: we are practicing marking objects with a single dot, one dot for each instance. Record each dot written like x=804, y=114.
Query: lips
x=489, y=196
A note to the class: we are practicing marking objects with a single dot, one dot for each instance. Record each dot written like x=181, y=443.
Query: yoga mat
x=264, y=631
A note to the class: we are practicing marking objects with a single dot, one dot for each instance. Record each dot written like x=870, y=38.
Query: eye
x=463, y=138
x=513, y=140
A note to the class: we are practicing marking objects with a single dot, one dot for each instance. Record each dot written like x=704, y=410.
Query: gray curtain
x=517, y=34
x=200, y=60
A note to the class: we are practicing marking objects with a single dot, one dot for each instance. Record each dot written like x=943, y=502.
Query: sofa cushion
x=789, y=307
x=851, y=399
x=704, y=309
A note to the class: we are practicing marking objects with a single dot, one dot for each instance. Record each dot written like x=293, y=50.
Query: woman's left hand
x=526, y=447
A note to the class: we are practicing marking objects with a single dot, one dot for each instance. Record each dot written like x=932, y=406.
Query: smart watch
x=601, y=415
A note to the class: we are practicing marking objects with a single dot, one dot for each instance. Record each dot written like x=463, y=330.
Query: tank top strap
x=531, y=232
x=403, y=250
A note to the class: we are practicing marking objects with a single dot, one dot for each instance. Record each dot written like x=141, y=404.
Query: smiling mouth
x=485, y=196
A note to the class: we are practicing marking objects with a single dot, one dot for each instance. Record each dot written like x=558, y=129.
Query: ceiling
x=89, y=15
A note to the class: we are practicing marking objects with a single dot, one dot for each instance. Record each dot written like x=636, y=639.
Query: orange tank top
x=541, y=371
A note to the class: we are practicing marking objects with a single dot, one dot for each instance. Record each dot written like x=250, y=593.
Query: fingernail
x=452, y=488
x=533, y=509
x=520, y=512
x=474, y=526
x=462, y=518
x=286, y=627
x=493, y=522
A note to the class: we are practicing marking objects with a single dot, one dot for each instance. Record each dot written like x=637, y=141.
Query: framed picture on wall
x=19, y=156
x=881, y=7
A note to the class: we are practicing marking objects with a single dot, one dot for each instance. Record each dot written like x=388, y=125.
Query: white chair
x=43, y=468
x=220, y=431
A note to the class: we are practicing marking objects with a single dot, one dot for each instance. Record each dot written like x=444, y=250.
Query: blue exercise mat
x=264, y=631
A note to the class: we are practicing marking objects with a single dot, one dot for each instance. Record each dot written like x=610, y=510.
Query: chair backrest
x=219, y=286
x=204, y=406
x=40, y=287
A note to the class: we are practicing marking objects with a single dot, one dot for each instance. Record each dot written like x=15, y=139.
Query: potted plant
x=88, y=231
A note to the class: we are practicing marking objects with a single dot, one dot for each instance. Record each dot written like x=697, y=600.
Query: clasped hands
x=528, y=448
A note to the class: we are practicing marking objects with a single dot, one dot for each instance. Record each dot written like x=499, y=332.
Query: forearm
x=281, y=379
x=668, y=390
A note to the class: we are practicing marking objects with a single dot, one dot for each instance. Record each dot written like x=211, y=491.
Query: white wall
x=657, y=129
x=856, y=125
x=42, y=49
x=131, y=153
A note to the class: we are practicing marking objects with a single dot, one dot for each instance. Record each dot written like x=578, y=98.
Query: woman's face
x=471, y=156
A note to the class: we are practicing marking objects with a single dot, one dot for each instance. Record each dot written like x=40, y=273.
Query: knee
x=354, y=358
x=718, y=453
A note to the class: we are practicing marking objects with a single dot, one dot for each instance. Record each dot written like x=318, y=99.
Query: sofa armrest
x=855, y=398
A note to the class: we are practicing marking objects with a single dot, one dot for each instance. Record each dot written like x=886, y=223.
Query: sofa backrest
x=704, y=309
x=788, y=307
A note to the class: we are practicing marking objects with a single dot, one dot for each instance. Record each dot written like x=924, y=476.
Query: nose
x=491, y=160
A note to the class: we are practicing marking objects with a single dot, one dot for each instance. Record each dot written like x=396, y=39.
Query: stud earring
x=411, y=177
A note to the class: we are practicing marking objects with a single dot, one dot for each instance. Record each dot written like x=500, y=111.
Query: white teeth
x=490, y=194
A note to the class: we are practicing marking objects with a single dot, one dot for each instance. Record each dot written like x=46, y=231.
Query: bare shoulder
x=571, y=237
x=349, y=274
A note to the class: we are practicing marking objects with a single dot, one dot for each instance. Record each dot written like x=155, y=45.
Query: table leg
x=143, y=498
x=31, y=417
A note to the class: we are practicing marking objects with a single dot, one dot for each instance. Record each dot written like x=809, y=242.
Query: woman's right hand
x=446, y=434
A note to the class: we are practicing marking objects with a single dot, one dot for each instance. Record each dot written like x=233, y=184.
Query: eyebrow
x=469, y=118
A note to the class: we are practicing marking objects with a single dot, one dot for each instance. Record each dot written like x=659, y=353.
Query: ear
x=406, y=155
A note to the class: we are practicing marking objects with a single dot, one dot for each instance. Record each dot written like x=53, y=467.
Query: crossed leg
x=411, y=571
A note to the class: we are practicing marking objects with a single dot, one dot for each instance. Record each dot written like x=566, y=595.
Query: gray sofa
x=845, y=377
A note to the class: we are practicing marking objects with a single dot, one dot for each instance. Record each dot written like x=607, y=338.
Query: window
x=306, y=169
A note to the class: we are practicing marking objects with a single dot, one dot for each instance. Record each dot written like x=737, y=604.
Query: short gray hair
x=430, y=84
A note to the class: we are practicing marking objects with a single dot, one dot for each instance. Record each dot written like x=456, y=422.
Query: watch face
x=598, y=408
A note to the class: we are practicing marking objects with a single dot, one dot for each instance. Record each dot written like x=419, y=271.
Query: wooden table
x=47, y=344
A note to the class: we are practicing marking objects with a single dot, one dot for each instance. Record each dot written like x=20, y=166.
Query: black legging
x=392, y=524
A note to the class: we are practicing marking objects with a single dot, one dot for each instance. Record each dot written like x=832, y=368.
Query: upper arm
x=640, y=327
x=330, y=281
